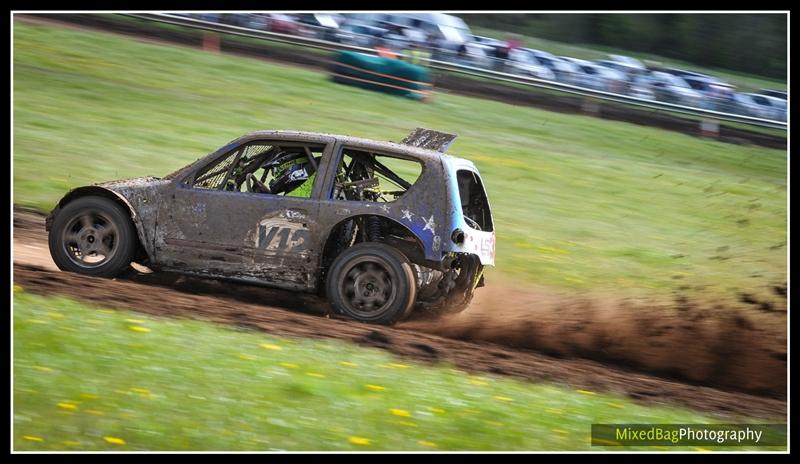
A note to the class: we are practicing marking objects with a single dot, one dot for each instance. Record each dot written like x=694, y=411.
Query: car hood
x=133, y=182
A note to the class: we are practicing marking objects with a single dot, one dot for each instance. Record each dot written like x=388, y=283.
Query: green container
x=387, y=75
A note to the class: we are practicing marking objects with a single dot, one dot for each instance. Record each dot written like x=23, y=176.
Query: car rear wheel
x=92, y=236
x=372, y=282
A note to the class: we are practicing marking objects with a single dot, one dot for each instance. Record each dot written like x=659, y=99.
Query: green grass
x=579, y=202
x=744, y=82
x=87, y=378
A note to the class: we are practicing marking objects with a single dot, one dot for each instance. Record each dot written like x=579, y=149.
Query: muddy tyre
x=92, y=236
x=372, y=282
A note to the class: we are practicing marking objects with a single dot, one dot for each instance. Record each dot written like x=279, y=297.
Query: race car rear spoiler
x=430, y=139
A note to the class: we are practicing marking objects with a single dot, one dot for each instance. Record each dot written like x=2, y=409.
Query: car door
x=215, y=227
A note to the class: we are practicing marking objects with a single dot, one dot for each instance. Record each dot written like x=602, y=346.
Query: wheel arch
x=142, y=251
x=415, y=251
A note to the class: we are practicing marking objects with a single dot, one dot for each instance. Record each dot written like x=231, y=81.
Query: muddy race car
x=378, y=228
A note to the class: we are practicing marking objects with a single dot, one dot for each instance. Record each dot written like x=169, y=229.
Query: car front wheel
x=92, y=236
x=372, y=282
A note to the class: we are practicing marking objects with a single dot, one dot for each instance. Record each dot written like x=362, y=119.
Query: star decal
x=429, y=224
x=407, y=214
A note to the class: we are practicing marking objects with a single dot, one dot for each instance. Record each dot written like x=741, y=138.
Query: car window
x=365, y=176
x=761, y=100
x=263, y=167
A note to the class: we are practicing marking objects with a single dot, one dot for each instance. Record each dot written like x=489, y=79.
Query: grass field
x=93, y=379
x=744, y=82
x=580, y=203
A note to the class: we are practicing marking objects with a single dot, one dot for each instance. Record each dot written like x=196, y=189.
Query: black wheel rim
x=90, y=239
x=367, y=288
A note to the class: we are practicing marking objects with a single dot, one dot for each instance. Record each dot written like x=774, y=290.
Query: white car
x=564, y=71
x=598, y=77
x=673, y=89
x=767, y=107
x=521, y=61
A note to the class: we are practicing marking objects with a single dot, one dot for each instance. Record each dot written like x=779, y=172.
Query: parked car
x=449, y=30
x=283, y=24
x=673, y=89
x=359, y=34
x=523, y=62
x=594, y=76
x=766, y=107
x=323, y=25
x=563, y=71
x=379, y=228
x=745, y=105
x=487, y=42
x=257, y=21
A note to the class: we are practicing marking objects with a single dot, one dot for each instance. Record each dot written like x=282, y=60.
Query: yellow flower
x=400, y=412
x=585, y=392
x=398, y=366
x=68, y=405
x=114, y=440
x=617, y=405
x=141, y=391
x=435, y=410
x=270, y=346
x=18, y=289
x=429, y=444
x=376, y=388
x=503, y=398
x=289, y=365
x=315, y=374
x=31, y=437
x=477, y=381
x=137, y=328
x=348, y=364
x=359, y=441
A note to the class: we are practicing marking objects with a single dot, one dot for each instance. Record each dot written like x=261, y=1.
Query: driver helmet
x=290, y=178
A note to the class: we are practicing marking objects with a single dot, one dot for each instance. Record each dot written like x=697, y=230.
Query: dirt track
x=469, y=342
